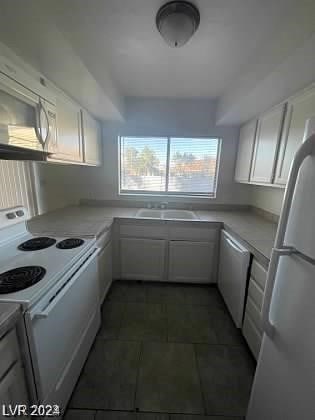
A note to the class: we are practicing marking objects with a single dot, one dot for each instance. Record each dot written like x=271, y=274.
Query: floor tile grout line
x=203, y=343
x=200, y=382
x=121, y=321
x=167, y=323
x=137, y=377
x=104, y=410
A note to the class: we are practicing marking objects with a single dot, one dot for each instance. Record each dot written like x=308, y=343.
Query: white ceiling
x=120, y=36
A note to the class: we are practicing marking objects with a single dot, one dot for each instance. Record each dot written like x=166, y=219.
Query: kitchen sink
x=151, y=214
x=179, y=214
x=167, y=214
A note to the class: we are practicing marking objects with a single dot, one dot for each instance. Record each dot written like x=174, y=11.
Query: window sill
x=166, y=196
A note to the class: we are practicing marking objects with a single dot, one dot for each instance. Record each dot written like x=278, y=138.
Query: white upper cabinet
x=300, y=108
x=69, y=144
x=245, y=151
x=91, y=132
x=266, y=145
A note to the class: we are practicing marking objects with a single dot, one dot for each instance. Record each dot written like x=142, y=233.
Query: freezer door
x=300, y=231
x=234, y=262
x=284, y=384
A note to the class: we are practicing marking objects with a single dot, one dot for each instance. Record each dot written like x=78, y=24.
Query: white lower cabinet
x=13, y=388
x=252, y=325
x=252, y=335
x=105, y=270
x=167, y=251
x=12, y=380
x=142, y=259
x=191, y=262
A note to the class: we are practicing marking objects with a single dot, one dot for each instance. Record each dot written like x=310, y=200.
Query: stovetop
x=20, y=278
x=35, y=260
x=37, y=243
x=70, y=243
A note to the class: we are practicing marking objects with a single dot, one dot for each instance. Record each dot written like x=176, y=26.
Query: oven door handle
x=63, y=290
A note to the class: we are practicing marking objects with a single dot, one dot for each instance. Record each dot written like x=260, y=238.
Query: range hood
x=19, y=153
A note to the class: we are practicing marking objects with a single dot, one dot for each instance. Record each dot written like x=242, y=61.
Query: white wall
x=148, y=117
x=266, y=198
x=283, y=66
x=39, y=42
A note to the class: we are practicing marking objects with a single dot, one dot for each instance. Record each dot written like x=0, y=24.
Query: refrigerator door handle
x=267, y=325
x=290, y=250
x=307, y=148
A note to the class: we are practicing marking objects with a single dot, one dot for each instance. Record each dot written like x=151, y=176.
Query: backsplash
x=170, y=204
x=271, y=217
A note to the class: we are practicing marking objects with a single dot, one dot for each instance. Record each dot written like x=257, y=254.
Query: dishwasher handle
x=63, y=290
x=233, y=244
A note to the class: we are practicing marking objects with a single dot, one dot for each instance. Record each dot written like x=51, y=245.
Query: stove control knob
x=11, y=216
x=20, y=213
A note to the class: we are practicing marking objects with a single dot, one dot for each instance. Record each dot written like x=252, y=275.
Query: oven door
x=59, y=327
x=26, y=121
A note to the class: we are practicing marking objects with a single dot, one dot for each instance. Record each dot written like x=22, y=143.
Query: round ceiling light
x=177, y=21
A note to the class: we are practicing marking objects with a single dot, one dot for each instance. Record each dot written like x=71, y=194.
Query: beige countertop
x=257, y=233
x=79, y=220
x=9, y=315
x=253, y=230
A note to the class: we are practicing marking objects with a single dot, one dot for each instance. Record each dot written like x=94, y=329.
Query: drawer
x=9, y=351
x=252, y=336
x=259, y=273
x=255, y=292
x=144, y=231
x=193, y=234
x=254, y=313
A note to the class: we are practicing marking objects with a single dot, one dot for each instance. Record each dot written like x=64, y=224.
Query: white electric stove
x=55, y=279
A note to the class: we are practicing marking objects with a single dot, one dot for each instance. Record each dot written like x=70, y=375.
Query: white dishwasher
x=232, y=279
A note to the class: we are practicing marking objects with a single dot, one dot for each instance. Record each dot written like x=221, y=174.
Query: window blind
x=193, y=165
x=16, y=186
x=143, y=164
x=169, y=165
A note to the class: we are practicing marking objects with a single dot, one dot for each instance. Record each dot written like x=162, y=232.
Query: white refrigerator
x=284, y=383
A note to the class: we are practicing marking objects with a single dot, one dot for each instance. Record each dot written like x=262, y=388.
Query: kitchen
x=156, y=209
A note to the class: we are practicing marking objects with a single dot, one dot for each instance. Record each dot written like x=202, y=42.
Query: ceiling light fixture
x=177, y=21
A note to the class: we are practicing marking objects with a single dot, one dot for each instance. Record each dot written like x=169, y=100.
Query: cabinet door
x=266, y=146
x=300, y=108
x=91, y=132
x=142, y=259
x=245, y=151
x=191, y=261
x=69, y=145
x=13, y=387
x=105, y=270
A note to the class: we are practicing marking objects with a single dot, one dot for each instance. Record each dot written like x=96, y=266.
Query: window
x=16, y=185
x=169, y=165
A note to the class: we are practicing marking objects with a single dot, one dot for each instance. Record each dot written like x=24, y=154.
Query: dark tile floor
x=164, y=352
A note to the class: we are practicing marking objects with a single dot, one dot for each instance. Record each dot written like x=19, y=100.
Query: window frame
x=166, y=193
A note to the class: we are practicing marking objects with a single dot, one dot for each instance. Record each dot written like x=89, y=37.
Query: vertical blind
x=16, y=185
x=169, y=165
